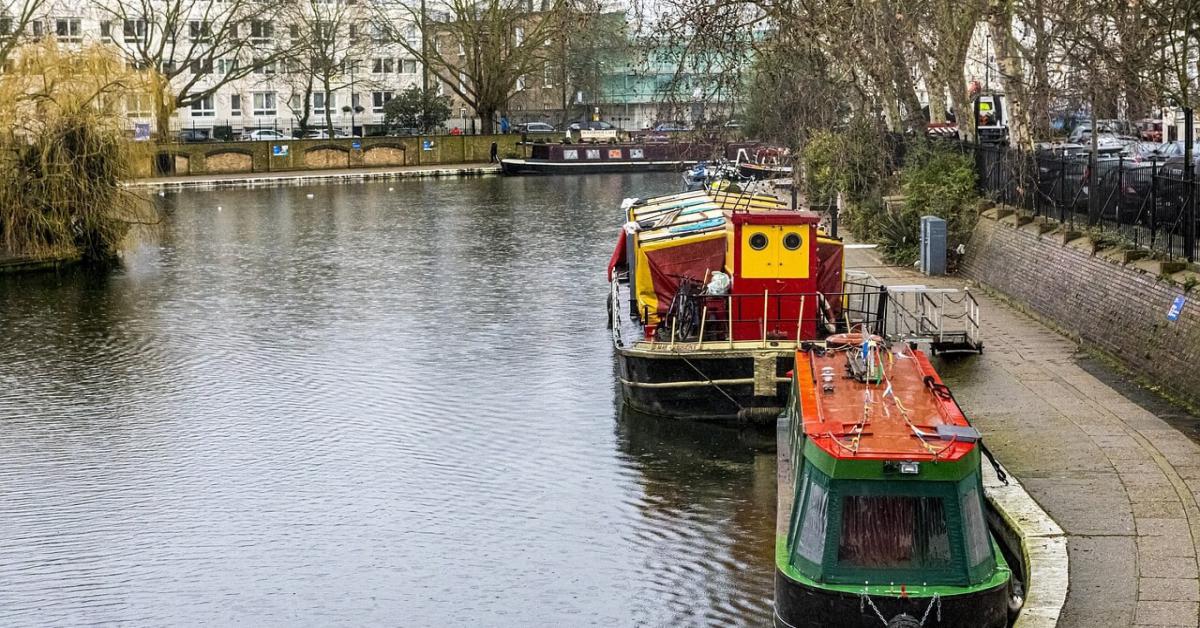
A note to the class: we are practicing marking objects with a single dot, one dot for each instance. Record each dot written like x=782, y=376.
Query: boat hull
x=541, y=166
x=798, y=605
x=741, y=385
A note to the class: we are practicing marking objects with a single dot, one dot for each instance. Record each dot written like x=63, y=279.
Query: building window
x=203, y=107
x=320, y=102
x=383, y=66
x=262, y=67
x=521, y=83
x=6, y=26
x=264, y=103
x=378, y=100
x=199, y=30
x=410, y=35
x=547, y=76
x=106, y=31
x=138, y=105
x=202, y=66
x=519, y=35
x=134, y=30
x=294, y=32
x=261, y=31
x=235, y=104
x=410, y=66
x=225, y=66
x=68, y=29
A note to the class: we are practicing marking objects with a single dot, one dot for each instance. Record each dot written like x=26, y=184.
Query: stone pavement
x=1120, y=481
x=315, y=176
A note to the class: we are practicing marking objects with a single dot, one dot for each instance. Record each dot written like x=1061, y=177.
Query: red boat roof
x=896, y=418
x=775, y=217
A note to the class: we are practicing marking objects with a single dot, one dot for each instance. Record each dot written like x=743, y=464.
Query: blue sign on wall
x=356, y=145
x=1176, y=309
x=426, y=144
x=279, y=150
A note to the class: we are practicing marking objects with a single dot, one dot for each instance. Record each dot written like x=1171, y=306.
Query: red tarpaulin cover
x=693, y=260
x=829, y=272
x=618, y=257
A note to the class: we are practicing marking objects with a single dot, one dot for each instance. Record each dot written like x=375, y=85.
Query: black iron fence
x=1151, y=202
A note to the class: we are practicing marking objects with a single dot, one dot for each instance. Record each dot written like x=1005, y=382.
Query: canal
x=387, y=403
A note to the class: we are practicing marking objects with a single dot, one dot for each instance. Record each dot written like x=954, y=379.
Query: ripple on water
x=373, y=409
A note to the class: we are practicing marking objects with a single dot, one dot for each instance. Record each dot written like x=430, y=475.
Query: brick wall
x=221, y=157
x=1117, y=307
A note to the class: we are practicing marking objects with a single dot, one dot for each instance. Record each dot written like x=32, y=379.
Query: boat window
x=758, y=241
x=979, y=546
x=792, y=241
x=812, y=534
x=893, y=532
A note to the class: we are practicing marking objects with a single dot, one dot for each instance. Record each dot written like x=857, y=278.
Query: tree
x=588, y=43
x=328, y=41
x=195, y=46
x=64, y=155
x=478, y=49
x=416, y=108
x=16, y=19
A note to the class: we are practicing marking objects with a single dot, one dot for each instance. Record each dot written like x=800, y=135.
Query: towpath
x=315, y=176
x=1121, y=481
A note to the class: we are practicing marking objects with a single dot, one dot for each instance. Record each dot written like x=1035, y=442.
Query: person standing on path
x=493, y=152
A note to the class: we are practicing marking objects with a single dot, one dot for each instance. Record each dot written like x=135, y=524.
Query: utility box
x=933, y=245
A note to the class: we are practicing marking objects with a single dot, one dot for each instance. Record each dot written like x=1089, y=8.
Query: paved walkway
x=1121, y=482
x=314, y=176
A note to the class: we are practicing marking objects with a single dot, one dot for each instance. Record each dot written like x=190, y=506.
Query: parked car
x=591, y=125
x=1150, y=130
x=194, y=135
x=535, y=127
x=664, y=127
x=263, y=135
x=1119, y=129
x=323, y=134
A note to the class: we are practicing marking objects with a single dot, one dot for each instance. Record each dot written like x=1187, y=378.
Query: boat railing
x=947, y=318
x=725, y=321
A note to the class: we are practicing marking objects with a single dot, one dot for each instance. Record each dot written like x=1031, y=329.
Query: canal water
x=390, y=403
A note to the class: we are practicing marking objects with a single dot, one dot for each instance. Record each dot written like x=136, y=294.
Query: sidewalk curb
x=279, y=179
x=1043, y=549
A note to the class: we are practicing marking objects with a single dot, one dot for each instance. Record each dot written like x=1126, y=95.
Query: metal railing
x=946, y=318
x=723, y=320
x=1149, y=202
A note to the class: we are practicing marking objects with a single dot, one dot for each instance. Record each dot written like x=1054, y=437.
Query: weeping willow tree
x=63, y=154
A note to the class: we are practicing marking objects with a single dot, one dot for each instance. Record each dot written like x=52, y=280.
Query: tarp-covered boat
x=722, y=286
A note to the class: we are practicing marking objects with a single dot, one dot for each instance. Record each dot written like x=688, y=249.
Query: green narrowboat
x=881, y=511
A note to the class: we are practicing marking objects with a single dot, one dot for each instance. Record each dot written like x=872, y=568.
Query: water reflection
x=389, y=403
x=708, y=533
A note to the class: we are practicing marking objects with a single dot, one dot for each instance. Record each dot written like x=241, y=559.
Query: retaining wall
x=1107, y=298
x=297, y=155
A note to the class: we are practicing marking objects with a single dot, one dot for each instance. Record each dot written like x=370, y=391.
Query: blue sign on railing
x=1176, y=309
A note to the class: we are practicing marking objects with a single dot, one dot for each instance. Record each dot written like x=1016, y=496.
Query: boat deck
x=901, y=412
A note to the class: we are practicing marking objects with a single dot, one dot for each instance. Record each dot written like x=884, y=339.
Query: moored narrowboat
x=722, y=286
x=881, y=505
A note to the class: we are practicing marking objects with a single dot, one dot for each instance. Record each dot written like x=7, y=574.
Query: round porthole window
x=758, y=241
x=792, y=241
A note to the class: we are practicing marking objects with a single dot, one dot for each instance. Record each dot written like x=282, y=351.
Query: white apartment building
x=273, y=93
